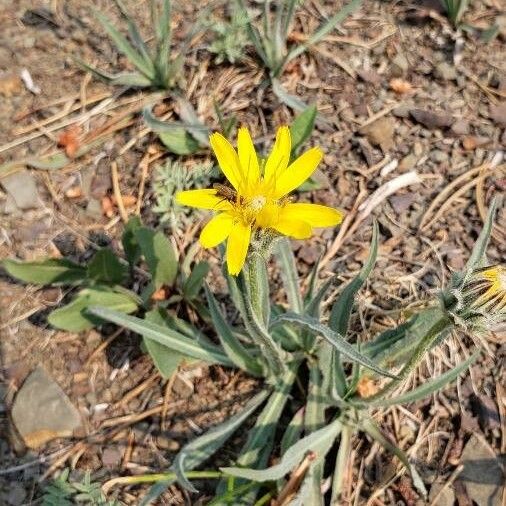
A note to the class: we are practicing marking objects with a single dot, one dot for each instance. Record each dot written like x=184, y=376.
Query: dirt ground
x=399, y=92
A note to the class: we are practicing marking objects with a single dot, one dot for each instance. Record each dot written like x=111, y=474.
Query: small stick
x=117, y=191
x=168, y=390
x=137, y=390
x=129, y=450
x=295, y=480
x=137, y=417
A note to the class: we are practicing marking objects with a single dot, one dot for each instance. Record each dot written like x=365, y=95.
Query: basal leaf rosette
x=258, y=200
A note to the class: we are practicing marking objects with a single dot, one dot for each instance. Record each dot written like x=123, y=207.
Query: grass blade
x=166, y=336
x=133, y=31
x=145, y=66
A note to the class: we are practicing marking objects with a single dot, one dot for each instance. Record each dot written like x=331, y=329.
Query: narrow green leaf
x=480, y=247
x=105, y=267
x=159, y=255
x=290, y=100
x=133, y=31
x=195, y=280
x=284, y=256
x=369, y=426
x=293, y=431
x=144, y=65
x=165, y=359
x=427, y=388
x=179, y=142
x=46, y=272
x=130, y=245
x=313, y=308
x=232, y=346
x=166, y=336
x=336, y=339
x=318, y=442
x=341, y=310
x=74, y=317
x=253, y=33
x=190, y=118
x=302, y=127
x=201, y=448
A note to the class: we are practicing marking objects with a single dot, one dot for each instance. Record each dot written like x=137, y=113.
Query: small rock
x=165, y=443
x=381, y=133
x=369, y=76
x=111, y=457
x=22, y=188
x=430, y=119
x=445, y=71
x=402, y=111
x=445, y=495
x=42, y=411
x=498, y=113
x=408, y=162
x=482, y=475
x=439, y=156
x=460, y=127
x=471, y=142
x=182, y=386
x=401, y=203
x=399, y=65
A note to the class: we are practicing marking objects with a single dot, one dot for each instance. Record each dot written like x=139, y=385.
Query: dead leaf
x=159, y=294
x=74, y=192
x=10, y=85
x=128, y=200
x=432, y=120
x=69, y=140
x=400, y=86
x=366, y=387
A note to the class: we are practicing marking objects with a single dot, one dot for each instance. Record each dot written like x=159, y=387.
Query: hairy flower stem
x=442, y=324
x=254, y=288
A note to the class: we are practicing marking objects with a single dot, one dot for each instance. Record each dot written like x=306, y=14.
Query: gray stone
x=23, y=190
x=42, y=411
x=482, y=475
x=445, y=497
x=182, y=386
x=445, y=71
x=460, y=127
x=439, y=156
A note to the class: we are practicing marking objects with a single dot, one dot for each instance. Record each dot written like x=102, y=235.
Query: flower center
x=257, y=203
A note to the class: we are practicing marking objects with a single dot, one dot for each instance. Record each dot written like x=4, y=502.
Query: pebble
x=399, y=65
x=408, y=162
x=460, y=127
x=166, y=443
x=445, y=71
x=401, y=111
x=439, y=156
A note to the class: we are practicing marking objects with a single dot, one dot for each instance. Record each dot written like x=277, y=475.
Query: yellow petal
x=237, y=247
x=216, y=230
x=314, y=214
x=247, y=158
x=278, y=160
x=203, y=199
x=297, y=229
x=298, y=171
x=227, y=159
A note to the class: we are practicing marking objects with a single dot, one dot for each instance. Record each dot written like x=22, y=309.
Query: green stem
x=425, y=344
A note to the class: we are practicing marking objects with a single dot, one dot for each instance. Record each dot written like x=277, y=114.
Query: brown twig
x=117, y=192
x=103, y=346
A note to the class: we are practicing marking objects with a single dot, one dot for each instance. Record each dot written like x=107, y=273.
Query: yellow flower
x=259, y=196
x=486, y=290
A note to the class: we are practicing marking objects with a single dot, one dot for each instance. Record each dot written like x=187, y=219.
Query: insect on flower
x=259, y=196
